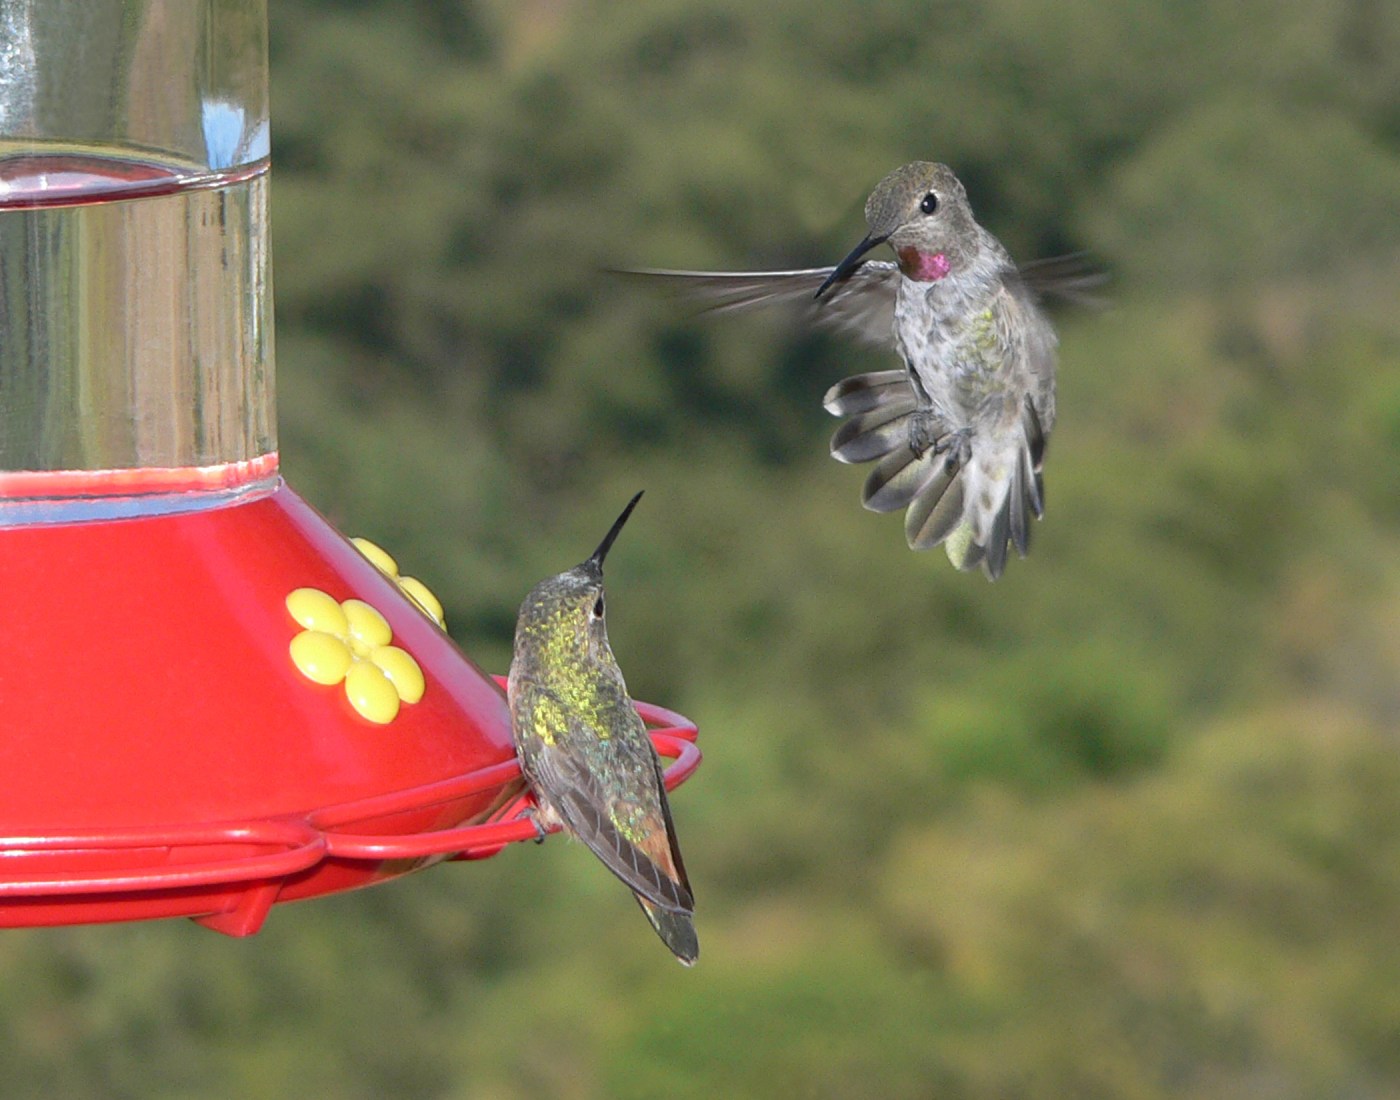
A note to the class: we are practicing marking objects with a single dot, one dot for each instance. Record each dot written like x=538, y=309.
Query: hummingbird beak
x=603, y=547
x=852, y=261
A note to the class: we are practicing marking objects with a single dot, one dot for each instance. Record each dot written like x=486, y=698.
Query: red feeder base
x=163, y=756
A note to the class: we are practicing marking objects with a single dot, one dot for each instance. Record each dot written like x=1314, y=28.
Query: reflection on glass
x=135, y=293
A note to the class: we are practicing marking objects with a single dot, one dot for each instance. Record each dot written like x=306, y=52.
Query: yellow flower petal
x=371, y=693
x=402, y=670
x=321, y=657
x=378, y=556
x=367, y=626
x=316, y=610
x=418, y=592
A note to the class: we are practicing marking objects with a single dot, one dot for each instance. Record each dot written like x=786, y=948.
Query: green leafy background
x=1125, y=824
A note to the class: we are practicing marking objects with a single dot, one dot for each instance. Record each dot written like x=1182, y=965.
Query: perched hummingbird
x=585, y=751
x=960, y=432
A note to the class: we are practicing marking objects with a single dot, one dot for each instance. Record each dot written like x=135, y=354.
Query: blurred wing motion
x=861, y=305
x=631, y=833
x=1072, y=278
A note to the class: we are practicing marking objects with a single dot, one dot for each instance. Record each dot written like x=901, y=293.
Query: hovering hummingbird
x=584, y=750
x=960, y=432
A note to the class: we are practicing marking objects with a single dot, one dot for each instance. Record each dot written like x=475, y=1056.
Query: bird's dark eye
x=930, y=203
x=598, y=608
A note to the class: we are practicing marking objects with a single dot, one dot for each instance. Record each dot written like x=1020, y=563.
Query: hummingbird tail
x=677, y=930
x=1003, y=491
x=977, y=503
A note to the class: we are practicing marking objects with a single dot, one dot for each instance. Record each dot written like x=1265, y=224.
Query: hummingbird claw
x=925, y=434
x=924, y=431
x=957, y=445
x=533, y=815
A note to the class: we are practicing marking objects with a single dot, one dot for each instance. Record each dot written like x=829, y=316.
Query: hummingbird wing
x=677, y=930
x=606, y=790
x=860, y=305
x=672, y=858
x=1072, y=278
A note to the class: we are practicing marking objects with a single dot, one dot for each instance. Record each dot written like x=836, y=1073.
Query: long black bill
x=606, y=545
x=851, y=262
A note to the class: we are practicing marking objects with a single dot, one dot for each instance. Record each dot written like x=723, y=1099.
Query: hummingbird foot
x=926, y=433
x=957, y=446
x=925, y=436
x=533, y=815
x=925, y=430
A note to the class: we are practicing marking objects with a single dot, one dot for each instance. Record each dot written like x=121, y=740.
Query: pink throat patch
x=923, y=267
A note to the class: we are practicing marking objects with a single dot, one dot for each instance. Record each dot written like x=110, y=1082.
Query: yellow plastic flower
x=411, y=587
x=349, y=642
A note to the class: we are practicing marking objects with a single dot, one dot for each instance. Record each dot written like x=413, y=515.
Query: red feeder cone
x=164, y=756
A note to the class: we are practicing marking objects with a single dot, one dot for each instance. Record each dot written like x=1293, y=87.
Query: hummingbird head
x=922, y=211
x=568, y=609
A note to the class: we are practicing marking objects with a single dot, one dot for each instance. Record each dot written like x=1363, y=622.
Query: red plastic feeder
x=211, y=700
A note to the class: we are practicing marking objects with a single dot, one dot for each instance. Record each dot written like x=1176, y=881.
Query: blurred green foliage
x=1126, y=824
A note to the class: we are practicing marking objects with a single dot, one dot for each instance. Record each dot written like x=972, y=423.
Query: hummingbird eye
x=598, y=607
x=930, y=203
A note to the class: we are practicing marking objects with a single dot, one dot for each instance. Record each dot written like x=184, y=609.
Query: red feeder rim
x=202, y=863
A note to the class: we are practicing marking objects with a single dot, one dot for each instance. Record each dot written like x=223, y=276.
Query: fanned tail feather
x=962, y=551
x=902, y=475
x=995, y=546
x=874, y=434
x=864, y=392
x=933, y=516
x=1018, y=507
x=1034, y=459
